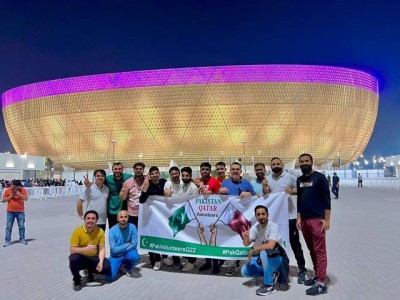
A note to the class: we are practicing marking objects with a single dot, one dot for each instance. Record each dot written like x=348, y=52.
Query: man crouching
x=267, y=259
x=87, y=250
x=123, y=241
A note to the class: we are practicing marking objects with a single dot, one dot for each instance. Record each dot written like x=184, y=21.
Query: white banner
x=205, y=226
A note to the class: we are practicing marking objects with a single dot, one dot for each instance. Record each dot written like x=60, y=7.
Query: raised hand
x=168, y=193
x=146, y=183
x=245, y=232
x=223, y=191
x=197, y=181
x=200, y=227
x=86, y=181
x=245, y=195
x=213, y=228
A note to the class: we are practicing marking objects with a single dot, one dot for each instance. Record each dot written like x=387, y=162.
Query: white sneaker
x=225, y=264
x=187, y=267
x=157, y=266
x=168, y=261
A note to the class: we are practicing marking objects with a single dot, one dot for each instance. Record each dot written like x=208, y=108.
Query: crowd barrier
x=377, y=183
x=76, y=190
x=54, y=191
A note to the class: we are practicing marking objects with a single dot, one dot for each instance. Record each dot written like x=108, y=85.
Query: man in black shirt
x=153, y=185
x=313, y=219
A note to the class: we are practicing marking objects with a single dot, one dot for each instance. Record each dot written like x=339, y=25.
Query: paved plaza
x=363, y=258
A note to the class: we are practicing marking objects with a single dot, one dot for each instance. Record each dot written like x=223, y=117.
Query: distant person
x=329, y=180
x=313, y=219
x=87, y=250
x=360, y=180
x=123, y=247
x=335, y=185
x=15, y=197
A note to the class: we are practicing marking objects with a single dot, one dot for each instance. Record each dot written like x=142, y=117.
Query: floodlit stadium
x=193, y=115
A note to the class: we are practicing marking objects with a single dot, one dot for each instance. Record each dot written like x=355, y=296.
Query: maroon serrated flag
x=233, y=218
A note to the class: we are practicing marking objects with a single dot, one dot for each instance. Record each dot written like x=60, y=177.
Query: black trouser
x=176, y=260
x=335, y=191
x=112, y=220
x=360, y=183
x=294, y=239
x=102, y=226
x=79, y=262
x=214, y=261
x=134, y=220
x=192, y=260
x=154, y=257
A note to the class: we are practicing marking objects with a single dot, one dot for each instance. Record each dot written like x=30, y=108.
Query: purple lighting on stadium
x=194, y=76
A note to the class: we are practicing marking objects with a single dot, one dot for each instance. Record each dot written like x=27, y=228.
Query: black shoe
x=301, y=277
x=265, y=290
x=310, y=281
x=205, y=267
x=76, y=287
x=317, y=289
x=178, y=266
x=91, y=282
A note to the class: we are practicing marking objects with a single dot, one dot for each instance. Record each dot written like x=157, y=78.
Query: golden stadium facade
x=193, y=115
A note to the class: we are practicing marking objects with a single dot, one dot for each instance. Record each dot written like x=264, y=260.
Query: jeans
x=267, y=269
x=130, y=259
x=20, y=216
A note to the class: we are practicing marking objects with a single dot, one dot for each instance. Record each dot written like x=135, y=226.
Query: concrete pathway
x=363, y=258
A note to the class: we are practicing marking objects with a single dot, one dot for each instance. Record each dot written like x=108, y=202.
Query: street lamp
x=244, y=141
x=113, y=142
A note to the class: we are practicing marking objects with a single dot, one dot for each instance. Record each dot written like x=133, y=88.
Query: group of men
x=117, y=197
x=310, y=214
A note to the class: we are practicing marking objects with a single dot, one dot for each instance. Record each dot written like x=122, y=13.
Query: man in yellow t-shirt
x=87, y=250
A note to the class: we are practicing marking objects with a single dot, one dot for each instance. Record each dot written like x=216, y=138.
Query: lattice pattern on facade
x=195, y=114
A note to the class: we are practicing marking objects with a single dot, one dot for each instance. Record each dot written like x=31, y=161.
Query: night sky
x=44, y=40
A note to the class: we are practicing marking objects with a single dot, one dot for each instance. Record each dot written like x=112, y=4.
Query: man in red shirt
x=208, y=185
x=15, y=196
